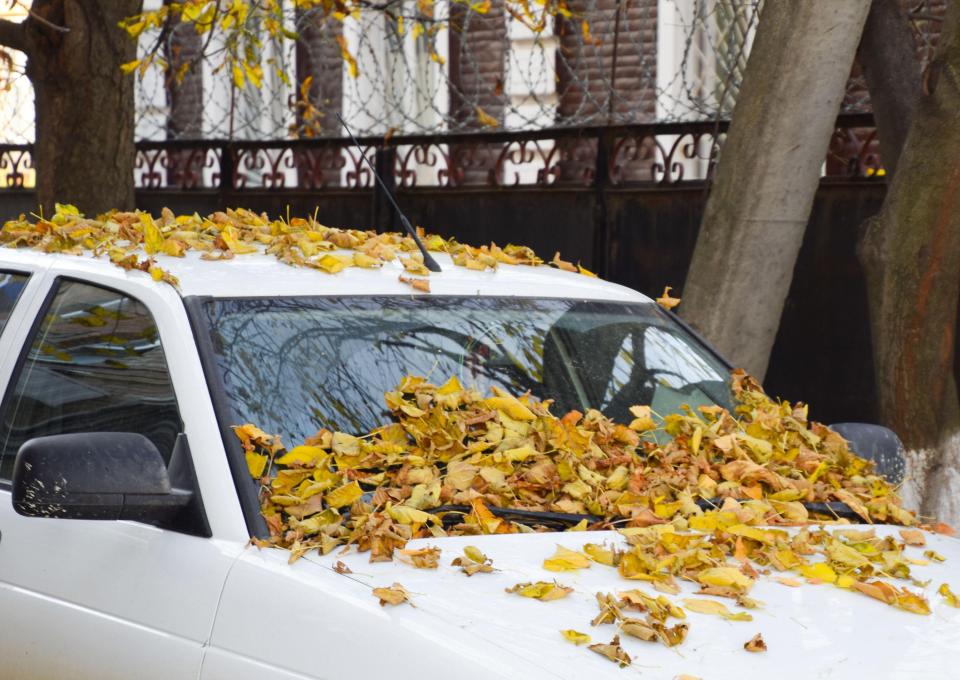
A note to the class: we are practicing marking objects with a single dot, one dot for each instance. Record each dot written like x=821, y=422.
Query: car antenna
x=428, y=260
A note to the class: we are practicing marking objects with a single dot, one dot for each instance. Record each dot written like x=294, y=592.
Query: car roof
x=260, y=275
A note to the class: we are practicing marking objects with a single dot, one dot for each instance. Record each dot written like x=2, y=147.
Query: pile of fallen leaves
x=452, y=446
x=452, y=457
x=132, y=240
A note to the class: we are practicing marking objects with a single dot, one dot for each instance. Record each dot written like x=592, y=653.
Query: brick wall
x=318, y=57
x=585, y=71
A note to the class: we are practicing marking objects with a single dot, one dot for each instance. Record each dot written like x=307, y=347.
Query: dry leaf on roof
x=423, y=285
x=666, y=301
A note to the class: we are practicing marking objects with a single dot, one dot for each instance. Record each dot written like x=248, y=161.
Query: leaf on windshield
x=345, y=495
x=394, y=595
x=256, y=464
x=613, y=651
x=545, y=591
x=565, y=559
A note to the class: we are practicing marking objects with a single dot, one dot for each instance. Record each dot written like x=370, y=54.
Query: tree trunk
x=888, y=58
x=768, y=174
x=84, y=152
x=911, y=254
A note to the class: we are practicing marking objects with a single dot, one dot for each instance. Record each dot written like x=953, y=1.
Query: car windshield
x=295, y=365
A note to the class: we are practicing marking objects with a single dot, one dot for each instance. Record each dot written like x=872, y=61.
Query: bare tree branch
x=13, y=35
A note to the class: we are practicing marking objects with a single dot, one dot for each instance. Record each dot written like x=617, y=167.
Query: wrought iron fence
x=609, y=156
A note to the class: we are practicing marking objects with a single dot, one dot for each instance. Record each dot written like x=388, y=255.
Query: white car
x=166, y=584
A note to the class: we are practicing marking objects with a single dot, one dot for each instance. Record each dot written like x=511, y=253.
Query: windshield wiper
x=564, y=520
x=554, y=520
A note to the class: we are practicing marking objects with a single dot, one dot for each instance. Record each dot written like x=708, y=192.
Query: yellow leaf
x=575, y=637
x=716, y=609
x=130, y=66
x=333, y=263
x=255, y=464
x=729, y=577
x=949, y=595
x=238, y=79
x=407, y=515
x=541, y=590
x=347, y=57
x=365, y=261
x=586, y=272
x=485, y=118
x=152, y=238
x=509, y=405
x=565, y=559
x=821, y=571
x=345, y=495
x=600, y=554
x=666, y=301
x=303, y=455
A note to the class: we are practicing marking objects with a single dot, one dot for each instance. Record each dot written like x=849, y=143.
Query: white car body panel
x=115, y=600
x=467, y=627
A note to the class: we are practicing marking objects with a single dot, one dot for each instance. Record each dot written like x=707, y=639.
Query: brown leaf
x=342, y=568
x=613, y=651
x=913, y=537
x=755, y=644
x=423, y=285
x=394, y=595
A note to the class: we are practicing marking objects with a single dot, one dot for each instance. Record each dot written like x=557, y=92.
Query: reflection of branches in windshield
x=333, y=364
x=296, y=365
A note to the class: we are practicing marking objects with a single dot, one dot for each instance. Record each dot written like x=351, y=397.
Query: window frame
x=13, y=271
x=41, y=312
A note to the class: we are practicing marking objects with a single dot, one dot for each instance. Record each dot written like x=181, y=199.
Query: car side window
x=11, y=285
x=94, y=364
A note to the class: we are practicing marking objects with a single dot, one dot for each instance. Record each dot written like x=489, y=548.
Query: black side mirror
x=94, y=475
x=879, y=444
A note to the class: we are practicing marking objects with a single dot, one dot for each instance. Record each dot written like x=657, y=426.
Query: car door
x=87, y=599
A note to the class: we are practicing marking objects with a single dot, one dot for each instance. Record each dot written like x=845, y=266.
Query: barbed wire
x=393, y=72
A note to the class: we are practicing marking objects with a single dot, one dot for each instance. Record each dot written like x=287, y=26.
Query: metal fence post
x=602, y=257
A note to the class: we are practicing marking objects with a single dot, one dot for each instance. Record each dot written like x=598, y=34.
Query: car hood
x=811, y=631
